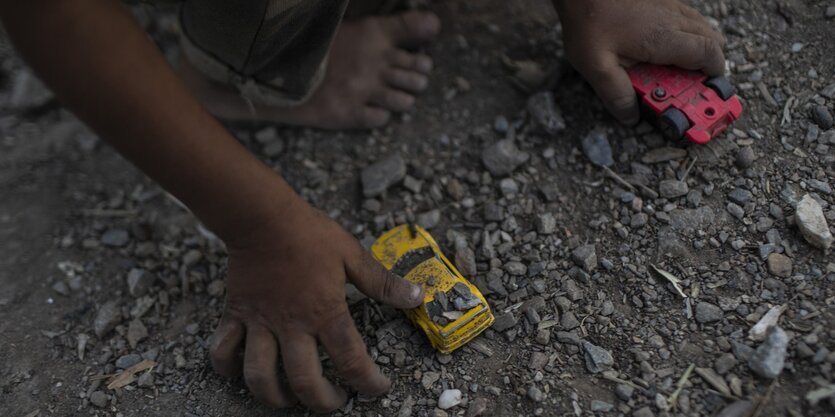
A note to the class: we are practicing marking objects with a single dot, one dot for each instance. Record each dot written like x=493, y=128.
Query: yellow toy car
x=453, y=311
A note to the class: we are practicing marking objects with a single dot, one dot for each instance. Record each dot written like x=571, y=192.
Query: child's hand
x=602, y=37
x=286, y=295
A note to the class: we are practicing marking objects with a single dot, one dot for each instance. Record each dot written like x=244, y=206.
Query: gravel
x=99, y=399
x=381, y=175
x=503, y=157
x=597, y=358
x=672, y=188
x=597, y=148
x=545, y=113
x=812, y=223
x=449, y=398
x=779, y=265
x=115, y=238
x=708, y=313
x=585, y=257
x=108, y=316
x=769, y=358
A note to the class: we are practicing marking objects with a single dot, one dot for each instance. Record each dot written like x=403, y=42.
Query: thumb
x=380, y=284
x=611, y=83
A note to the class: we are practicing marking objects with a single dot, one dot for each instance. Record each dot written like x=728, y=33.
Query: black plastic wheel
x=673, y=123
x=721, y=86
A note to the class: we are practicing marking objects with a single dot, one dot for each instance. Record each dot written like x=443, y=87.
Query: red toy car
x=686, y=103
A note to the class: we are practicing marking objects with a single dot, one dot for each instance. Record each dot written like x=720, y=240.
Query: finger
x=394, y=100
x=378, y=283
x=371, y=117
x=304, y=373
x=698, y=25
x=344, y=344
x=260, y=368
x=409, y=61
x=410, y=81
x=412, y=28
x=225, y=347
x=612, y=85
x=684, y=50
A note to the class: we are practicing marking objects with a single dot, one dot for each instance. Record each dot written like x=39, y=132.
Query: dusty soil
x=67, y=199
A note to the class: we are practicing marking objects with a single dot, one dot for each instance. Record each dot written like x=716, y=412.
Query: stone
x=139, y=282
x=812, y=223
x=597, y=149
x=822, y=117
x=515, y=268
x=449, y=398
x=672, y=188
x=546, y=224
x=663, y=155
x=379, y=176
x=700, y=218
x=569, y=321
x=624, y=392
x=545, y=113
x=477, y=407
x=708, y=313
x=115, y=238
x=429, y=379
x=725, y=363
x=145, y=380
x=465, y=262
x=99, y=399
x=643, y=412
x=569, y=337
x=429, y=219
x=126, y=361
x=639, y=220
x=136, y=332
x=779, y=265
x=598, y=406
x=740, y=196
x=108, y=316
x=745, y=157
x=585, y=257
x=597, y=358
x=739, y=408
x=504, y=322
x=768, y=359
x=503, y=157
x=535, y=394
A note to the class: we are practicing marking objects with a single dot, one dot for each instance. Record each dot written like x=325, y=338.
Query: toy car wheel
x=721, y=86
x=674, y=123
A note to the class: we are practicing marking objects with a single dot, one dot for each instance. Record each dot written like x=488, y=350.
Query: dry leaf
x=672, y=278
x=129, y=375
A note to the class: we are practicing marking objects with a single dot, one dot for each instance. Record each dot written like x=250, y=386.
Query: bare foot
x=369, y=75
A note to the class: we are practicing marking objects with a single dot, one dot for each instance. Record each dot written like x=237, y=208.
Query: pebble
x=139, y=282
x=707, y=313
x=99, y=399
x=535, y=394
x=745, y=157
x=146, y=380
x=597, y=149
x=812, y=223
x=624, y=392
x=504, y=321
x=740, y=196
x=126, y=361
x=739, y=408
x=585, y=257
x=115, y=238
x=546, y=224
x=136, y=332
x=429, y=219
x=545, y=113
x=725, y=363
x=449, y=398
x=478, y=407
x=736, y=210
x=769, y=358
x=663, y=155
x=379, y=176
x=599, y=406
x=503, y=157
x=779, y=265
x=643, y=412
x=597, y=358
x=108, y=316
x=822, y=117
x=672, y=188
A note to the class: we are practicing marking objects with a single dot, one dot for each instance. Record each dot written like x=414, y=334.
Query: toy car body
x=453, y=311
x=686, y=103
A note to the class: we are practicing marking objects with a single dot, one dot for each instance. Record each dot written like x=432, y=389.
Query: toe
x=394, y=100
x=370, y=117
x=417, y=62
x=410, y=81
x=413, y=28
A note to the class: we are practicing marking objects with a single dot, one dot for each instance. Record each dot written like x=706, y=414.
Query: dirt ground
x=76, y=219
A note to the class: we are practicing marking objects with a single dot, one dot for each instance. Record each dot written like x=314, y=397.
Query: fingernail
x=416, y=293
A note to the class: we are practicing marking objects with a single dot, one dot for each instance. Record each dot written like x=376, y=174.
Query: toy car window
x=411, y=259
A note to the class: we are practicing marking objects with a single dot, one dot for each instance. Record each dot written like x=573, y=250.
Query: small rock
x=707, y=313
x=740, y=196
x=380, y=175
x=61, y=287
x=672, y=188
x=429, y=219
x=478, y=407
x=465, y=261
x=643, y=412
x=597, y=149
x=624, y=392
x=739, y=408
x=535, y=394
x=812, y=223
x=99, y=399
x=136, y=332
x=770, y=357
x=115, y=238
x=585, y=257
x=126, y=361
x=504, y=321
x=745, y=157
x=108, y=316
x=597, y=358
x=598, y=406
x=449, y=398
x=663, y=155
x=779, y=265
x=546, y=224
x=503, y=157
x=146, y=380
x=139, y=281
x=725, y=363
x=545, y=113
x=822, y=117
